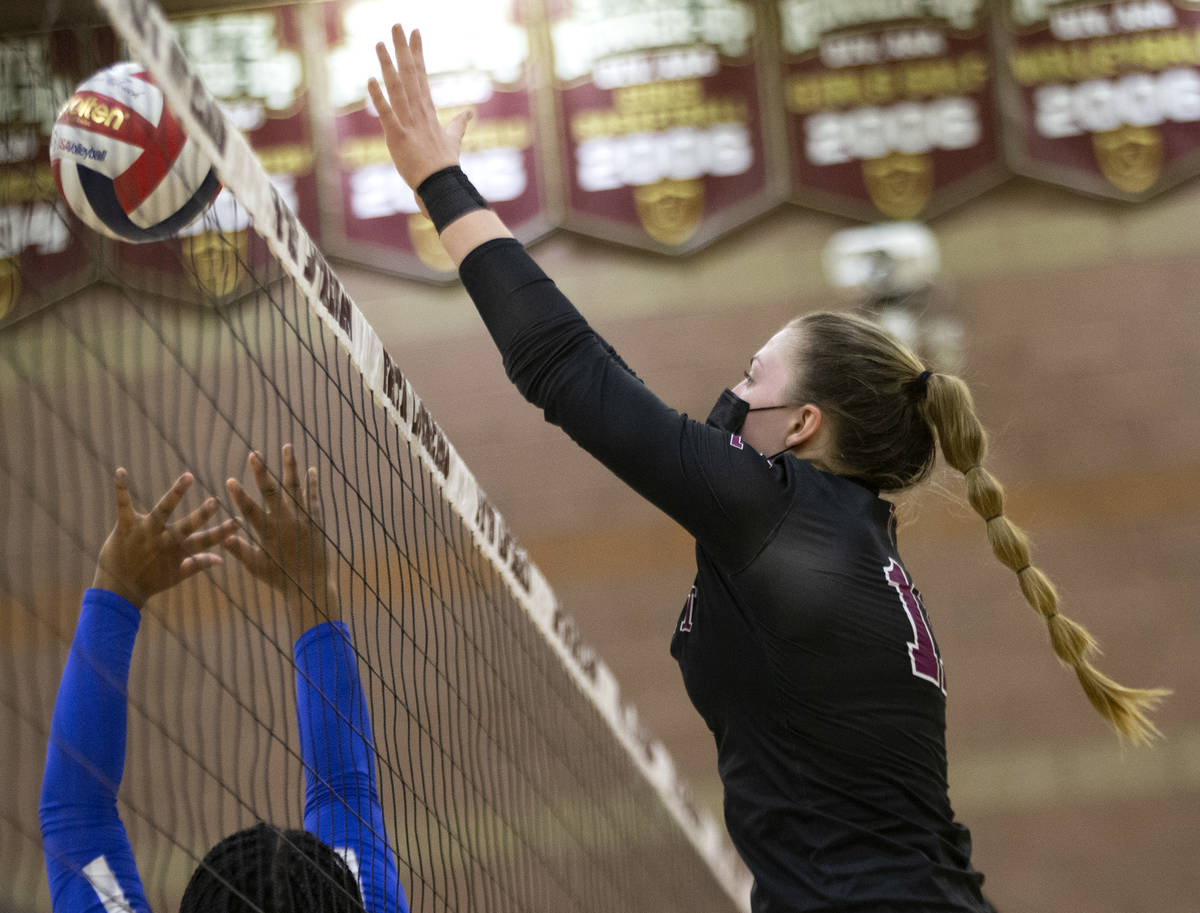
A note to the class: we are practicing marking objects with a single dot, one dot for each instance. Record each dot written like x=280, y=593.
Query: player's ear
x=803, y=425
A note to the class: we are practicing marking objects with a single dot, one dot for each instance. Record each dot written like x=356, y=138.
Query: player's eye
x=749, y=379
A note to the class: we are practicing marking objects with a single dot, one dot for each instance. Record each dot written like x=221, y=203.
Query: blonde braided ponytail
x=951, y=410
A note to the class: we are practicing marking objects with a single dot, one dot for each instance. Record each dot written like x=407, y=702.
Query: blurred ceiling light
x=890, y=271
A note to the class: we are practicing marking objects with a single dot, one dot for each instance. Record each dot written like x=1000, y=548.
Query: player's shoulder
x=816, y=490
x=801, y=472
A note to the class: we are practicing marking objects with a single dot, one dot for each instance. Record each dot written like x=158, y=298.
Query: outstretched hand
x=417, y=141
x=145, y=554
x=292, y=555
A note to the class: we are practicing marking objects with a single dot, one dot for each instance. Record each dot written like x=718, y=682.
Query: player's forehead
x=776, y=352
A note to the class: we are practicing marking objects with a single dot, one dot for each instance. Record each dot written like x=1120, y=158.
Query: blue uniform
x=803, y=643
x=89, y=860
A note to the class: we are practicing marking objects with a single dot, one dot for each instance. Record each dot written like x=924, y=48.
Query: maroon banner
x=1103, y=98
x=46, y=253
x=890, y=106
x=661, y=111
x=373, y=216
x=253, y=62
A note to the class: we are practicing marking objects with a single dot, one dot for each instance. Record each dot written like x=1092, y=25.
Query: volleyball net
x=511, y=774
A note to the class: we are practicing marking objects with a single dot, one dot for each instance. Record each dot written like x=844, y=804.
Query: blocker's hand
x=417, y=141
x=292, y=555
x=145, y=554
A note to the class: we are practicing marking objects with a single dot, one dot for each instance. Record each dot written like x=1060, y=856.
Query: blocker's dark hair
x=264, y=869
x=889, y=415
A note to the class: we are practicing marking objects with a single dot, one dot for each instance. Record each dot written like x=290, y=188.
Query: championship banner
x=661, y=104
x=371, y=215
x=253, y=62
x=890, y=106
x=46, y=253
x=1103, y=98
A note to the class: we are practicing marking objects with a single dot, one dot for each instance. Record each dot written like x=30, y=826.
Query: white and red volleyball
x=122, y=161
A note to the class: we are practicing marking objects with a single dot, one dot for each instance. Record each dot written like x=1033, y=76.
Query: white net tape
x=146, y=31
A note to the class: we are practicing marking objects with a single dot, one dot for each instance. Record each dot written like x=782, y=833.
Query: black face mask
x=729, y=414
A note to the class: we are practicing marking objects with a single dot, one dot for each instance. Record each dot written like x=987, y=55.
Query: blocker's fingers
x=397, y=99
x=125, y=513
x=400, y=46
x=198, y=517
x=167, y=503
x=291, y=472
x=406, y=66
x=207, y=538
x=194, y=564
x=417, y=43
x=250, y=555
x=251, y=509
x=313, y=503
x=377, y=98
x=267, y=485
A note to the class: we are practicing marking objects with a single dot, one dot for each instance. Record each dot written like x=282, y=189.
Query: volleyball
x=123, y=162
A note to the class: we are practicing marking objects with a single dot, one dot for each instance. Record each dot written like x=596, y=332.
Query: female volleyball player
x=342, y=857
x=803, y=643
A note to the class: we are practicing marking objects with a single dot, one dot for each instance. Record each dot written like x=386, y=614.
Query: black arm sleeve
x=727, y=496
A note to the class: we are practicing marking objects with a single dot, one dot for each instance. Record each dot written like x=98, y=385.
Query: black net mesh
x=502, y=786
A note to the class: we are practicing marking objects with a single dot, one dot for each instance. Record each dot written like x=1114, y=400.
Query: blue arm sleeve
x=89, y=861
x=341, y=801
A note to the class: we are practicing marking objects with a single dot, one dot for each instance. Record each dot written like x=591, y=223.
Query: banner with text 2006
x=890, y=105
x=1103, y=98
x=662, y=119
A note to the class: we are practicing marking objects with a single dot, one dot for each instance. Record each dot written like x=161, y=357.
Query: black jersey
x=803, y=643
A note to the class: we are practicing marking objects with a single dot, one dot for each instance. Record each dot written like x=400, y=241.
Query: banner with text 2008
x=890, y=106
x=662, y=119
x=1103, y=98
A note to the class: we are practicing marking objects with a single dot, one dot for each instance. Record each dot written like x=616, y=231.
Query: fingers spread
x=267, y=486
x=197, y=518
x=397, y=97
x=167, y=503
x=250, y=508
x=207, y=538
x=250, y=555
x=406, y=67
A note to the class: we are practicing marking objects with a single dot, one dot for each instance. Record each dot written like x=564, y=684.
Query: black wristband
x=447, y=195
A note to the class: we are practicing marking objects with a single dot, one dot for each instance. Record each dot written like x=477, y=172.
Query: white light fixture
x=891, y=258
x=891, y=270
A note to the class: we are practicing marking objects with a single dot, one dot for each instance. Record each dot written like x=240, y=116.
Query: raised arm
x=421, y=147
x=89, y=861
x=341, y=800
x=695, y=473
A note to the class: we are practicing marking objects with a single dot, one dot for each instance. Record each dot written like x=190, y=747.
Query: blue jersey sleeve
x=89, y=861
x=341, y=801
